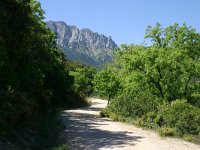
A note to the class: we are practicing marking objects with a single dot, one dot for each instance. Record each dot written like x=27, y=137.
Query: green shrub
x=195, y=100
x=166, y=132
x=133, y=105
x=188, y=138
x=15, y=107
x=148, y=120
x=114, y=116
x=140, y=122
x=105, y=112
x=182, y=116
x=189, y=123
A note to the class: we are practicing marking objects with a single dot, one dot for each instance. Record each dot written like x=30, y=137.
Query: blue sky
x=124, y=20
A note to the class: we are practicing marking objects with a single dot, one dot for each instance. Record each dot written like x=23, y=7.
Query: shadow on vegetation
x=82, y=132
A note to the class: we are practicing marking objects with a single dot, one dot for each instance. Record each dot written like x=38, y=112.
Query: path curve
x=85, y=130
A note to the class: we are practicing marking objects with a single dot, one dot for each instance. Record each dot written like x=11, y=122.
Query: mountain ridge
x=83, y=45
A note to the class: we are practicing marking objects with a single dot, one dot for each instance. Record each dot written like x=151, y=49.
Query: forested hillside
x=156, y=86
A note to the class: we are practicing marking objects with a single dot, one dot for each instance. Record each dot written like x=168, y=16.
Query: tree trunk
x=108, y=99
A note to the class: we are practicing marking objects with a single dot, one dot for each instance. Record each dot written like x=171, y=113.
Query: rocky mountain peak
x=83, y=45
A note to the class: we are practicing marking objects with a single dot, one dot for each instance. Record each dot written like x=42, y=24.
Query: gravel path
x=85, y=130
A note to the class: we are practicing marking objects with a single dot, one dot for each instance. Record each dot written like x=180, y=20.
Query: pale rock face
x=83, y=45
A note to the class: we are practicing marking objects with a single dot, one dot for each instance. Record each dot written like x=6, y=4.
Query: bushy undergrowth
x=132, y=105
x=166, y=131
x=177, y=118
x=40, y=133
x=105, y=112
x=181, y=116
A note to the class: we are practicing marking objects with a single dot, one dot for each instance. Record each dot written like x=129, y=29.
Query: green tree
x=167, y=73
x=83, y=80
x=158, y=74
x=33, y=76
x=175, y=36
x=168, y=66
x=106, y=84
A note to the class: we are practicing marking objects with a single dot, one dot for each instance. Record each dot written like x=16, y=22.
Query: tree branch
x=156, y=83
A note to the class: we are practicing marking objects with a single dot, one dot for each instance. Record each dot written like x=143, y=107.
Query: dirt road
x=85, y=130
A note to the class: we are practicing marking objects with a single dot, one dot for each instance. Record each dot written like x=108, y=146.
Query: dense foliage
x=33, y=74
x=154, y=77
x=180, y=115
x=83, y=78
x=106, y=84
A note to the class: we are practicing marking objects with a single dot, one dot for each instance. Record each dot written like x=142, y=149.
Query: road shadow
x=91, y=109
x=82, y=132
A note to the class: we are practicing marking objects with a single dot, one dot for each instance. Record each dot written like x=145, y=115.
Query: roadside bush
x=196, y=99
x=134, y=105
x=14, y=107
x=188, y=138
x=166, y=132
x=148, y=120
x=181, y=116
x=105, y=112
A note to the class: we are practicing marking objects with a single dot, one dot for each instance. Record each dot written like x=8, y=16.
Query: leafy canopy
x=106, y=83
x=168, y=66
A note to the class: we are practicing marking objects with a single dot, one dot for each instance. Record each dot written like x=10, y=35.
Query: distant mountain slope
x=83, y=45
